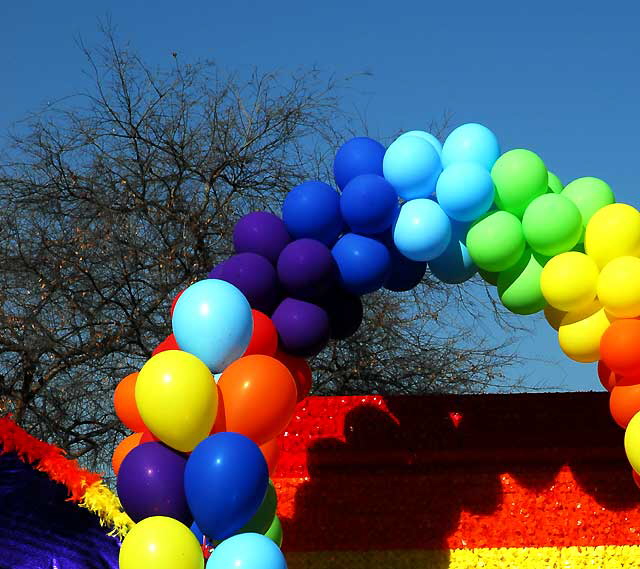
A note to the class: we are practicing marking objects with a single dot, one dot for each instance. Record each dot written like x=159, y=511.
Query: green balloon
x=263, y=518
x=489, y=277
x=519, y=176
x=552, y=224
x=496, y=241
x=554, y=183
x=274, y=533
x=590, y=195
x=519, y=286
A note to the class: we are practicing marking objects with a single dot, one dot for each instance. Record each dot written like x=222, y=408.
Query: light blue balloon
x=465, y=191
x=471, y=142
x=412, y=166
x=422, y=231
x=212, y=320
x=247, y=551
x=432, y=140
x=455, y=265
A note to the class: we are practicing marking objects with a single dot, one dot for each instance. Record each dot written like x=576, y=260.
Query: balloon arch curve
x=208, y=405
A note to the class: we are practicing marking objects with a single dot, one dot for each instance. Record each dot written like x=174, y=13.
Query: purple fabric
x=39, y=529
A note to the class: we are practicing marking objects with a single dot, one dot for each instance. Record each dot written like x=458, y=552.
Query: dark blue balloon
x=369, y=204
x=364, y=263
x=355, y=157
x=405, y=274
x=225, y=482
x=312, y=210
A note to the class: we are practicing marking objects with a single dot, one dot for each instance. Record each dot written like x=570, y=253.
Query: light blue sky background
x=560, y=78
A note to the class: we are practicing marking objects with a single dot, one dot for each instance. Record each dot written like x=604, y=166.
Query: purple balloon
x=254, y=276
x=306, y=268
x=151, y=483
x=303, y=327
x=262, y=233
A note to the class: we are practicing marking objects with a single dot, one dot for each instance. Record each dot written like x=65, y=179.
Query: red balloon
x=173, y=304
x=636, y=478
x=300, y=371
x=264, y=339
x=169, y=343
x=620, y=347
x=147, y=437
x=608, y=379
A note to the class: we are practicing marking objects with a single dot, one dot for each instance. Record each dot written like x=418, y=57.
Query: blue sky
x=560, y=78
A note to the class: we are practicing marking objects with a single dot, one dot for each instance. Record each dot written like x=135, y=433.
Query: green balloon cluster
x=537, y=218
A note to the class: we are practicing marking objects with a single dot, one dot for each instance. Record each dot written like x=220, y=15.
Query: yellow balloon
x=632, y=442
x=569, y=280
x=554, y=316
x=177, y=398
x=613, y=231
x=619, y=287
x=160, y=543
x=580, y=332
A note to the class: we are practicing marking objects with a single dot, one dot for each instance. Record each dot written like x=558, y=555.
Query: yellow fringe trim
x=101, y=501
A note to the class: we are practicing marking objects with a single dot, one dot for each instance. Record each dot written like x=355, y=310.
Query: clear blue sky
x=560, y=78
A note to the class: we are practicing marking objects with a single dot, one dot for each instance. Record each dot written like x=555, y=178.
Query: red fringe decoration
x=46, y=458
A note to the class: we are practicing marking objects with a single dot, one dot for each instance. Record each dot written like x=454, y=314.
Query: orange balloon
x=271, y=452
x=147, y=437
x=619, y=347
x=300, y=370
x=624, y=401
x=258, y=398
x=123, y=449
x=124, y=400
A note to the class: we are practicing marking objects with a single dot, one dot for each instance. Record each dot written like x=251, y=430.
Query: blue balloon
x=225, y=482
x=465, y=191
x=247, y=551
x=212, y=320
x=364, y=263
x=412, y=166
x=471, y=142
x=369, y=204
x=455, y=265
x=405, y=274
x=355, y=157
x=312, y=210
x=432, y=140
x=422, y=231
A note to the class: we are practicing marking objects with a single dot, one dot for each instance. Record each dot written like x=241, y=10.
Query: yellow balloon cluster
x=587, y=291
x=177, y=398
x=160, y=543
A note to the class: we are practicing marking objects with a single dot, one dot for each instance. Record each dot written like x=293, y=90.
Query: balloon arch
x=208, y=405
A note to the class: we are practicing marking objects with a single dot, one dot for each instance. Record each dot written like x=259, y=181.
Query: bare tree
x=114, y=200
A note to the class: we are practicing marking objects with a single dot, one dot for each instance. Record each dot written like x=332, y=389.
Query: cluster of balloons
x=207, y=407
